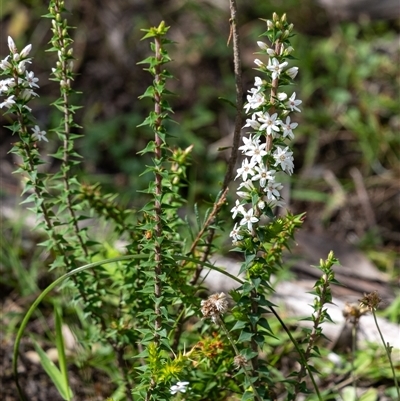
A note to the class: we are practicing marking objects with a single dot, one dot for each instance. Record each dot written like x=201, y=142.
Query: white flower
x=271, y=52
x=39, y=135
x=21, y=67
x=284, y=158
x=270, y=122
x=252, y=122
x=31, y=79
x=293, y=103
x=248, y=219
x=273, y=203
x=235, y=233
x=8, y=102
x=263, y=175
x=11, y=45
x=238, y=208
x=4, y=64
x=257, y=153
x=246, y=169
x=179, y=387
x=258, y=82
x=292, y=72
x=5, y=84
x=288, y=127
x=272, y=190
x=26, y=94
x=248, y=186
x=275, y=67
x=249, y=144
x=255, y=100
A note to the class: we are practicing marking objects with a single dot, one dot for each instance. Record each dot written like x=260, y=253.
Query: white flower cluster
x=20, y=87
x=179, y=387
x=259, y=185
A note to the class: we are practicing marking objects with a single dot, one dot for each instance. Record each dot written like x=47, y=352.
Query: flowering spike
x=270, y=127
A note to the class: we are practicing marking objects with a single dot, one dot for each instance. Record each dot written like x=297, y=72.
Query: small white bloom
x=274, y=202
x=272, y=190
x=5, y=84
x=292, y=72
x=271, y=52
x=288, y=127
x=293, y=103
x=249, y=143
x=5, y=64
x=8, y=102
x=254, y=101
x=249, y=219
x=31, y=79
x=21, y=66
x=246, y=169
x=284, y=158
x=263, y=175
x=238, y=208
x=270, y=25
x=235, y=233
x=26, y=94
x=257, y=153
x=252, y=122
x=258, y=82
x=11, y=45
x=248, y=186
x=179, y=387
x=270, y=123
x=39, y=135
x=275, y=67
x=259, y=63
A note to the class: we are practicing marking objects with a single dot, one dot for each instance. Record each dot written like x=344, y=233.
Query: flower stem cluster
x=266, y=148
x=18, y=89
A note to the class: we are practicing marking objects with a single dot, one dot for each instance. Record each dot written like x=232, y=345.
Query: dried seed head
x=214, y=306
x=352, y=313
x=370, y=301
x=239, y=361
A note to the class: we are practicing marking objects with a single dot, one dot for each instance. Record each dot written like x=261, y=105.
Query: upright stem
x=234, y=34
x=158, y=188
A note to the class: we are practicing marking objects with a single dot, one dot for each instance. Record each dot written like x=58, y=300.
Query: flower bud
x=11, y=45
x=292, y=72
x=288, y=50
x=262, y=45
x=25, y=51
x=4, y=64
x=270, y=25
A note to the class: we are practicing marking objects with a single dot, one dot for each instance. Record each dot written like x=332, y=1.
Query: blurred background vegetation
x=346, y=147
x=347, y=143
